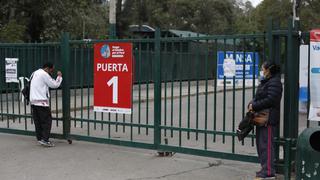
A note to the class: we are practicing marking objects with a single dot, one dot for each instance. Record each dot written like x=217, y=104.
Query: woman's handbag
x=261, y=118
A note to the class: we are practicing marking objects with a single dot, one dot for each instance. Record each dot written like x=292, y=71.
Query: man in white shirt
x=41, y=81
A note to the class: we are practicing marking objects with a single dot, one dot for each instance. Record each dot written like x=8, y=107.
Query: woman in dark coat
x=268, y=96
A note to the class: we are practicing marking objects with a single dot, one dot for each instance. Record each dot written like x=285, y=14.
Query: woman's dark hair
x=47, y=65
x=273, y=67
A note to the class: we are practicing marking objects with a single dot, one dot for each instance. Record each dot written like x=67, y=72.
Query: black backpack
x=26, y=90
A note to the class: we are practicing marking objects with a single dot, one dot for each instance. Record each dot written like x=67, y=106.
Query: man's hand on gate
x=59, y=73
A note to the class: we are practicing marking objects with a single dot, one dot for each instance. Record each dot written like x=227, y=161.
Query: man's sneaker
x=46, y=143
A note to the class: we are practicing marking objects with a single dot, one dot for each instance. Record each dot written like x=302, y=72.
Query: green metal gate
x=15, y=114
x=177, y=104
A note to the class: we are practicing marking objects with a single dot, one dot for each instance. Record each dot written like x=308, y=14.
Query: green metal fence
x=15, y=114
x=177, y=104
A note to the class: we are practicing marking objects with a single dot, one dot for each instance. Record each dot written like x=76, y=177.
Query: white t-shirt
x=39, y=87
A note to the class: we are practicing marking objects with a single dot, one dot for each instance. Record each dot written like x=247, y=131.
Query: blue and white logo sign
x=105, y=51
x=242, y=66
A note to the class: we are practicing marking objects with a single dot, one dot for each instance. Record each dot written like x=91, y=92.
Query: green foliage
x=278, y=10
x=310, y=14
x=208, y=17
x=82, y=19
x=12, y=32
x=45, y=20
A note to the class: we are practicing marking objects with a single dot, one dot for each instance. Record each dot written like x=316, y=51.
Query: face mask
x=262, y=77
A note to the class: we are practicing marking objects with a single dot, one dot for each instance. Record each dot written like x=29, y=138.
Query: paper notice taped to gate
x=229, y=67
x=12, y=70
x=314, y=113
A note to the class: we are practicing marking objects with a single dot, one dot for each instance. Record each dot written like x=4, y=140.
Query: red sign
x=113, y=77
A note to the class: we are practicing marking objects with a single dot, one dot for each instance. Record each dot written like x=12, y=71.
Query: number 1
x=114, y=83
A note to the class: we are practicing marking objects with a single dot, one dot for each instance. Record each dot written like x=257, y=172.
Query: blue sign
x=245, y=64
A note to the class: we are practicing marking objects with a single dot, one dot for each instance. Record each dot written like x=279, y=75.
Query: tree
x=209, y=17
x=245, y=22
x=278, y=10
x=310, y=14
x=45, y=20
x=12, y=32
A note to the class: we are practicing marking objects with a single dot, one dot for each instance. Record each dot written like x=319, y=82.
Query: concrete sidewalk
x=22, y=159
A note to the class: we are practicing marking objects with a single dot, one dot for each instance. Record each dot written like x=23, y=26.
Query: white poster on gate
x=314, y=113
x=12, y=70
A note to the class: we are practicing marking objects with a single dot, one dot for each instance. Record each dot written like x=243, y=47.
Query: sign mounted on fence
x=314, y=113
x=231, y=64
x=113, y=77
x=12, y=70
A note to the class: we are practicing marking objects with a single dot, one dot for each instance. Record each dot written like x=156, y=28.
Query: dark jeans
x=42, y=121
x=265, y=148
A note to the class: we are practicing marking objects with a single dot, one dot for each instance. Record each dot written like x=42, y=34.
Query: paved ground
x=22, y=159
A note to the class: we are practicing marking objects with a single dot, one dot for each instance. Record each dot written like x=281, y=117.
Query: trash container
x=308, y=155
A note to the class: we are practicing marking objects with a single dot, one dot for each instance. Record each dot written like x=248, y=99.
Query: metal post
x=65, y=56
x=276, y=58
x=270, y=40
x=157, y=90
x=291, y=94
x=112, y=19
x=287, y=159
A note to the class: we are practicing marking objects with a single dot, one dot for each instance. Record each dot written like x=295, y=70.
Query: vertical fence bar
x=197, y=87
x=65, y=48
x=11, y=85
x=180, y=91
x=165, y=89
x=131, y=115
x=233, y=95
x=109, y=126
x=172, y=86
x=215, y=88
x=56, y=91
x=123, y=121
x=292, y=84
x=243, y=79
x=7, y=97
x=224, y=95
x=254, y=81
x=18, y=91
x=88, y=90
x=116, y=122
x=26, y=55
x=287, y=159
x=188, y=99
x=75, y=86
x=1, y=88
x=157, y=90
x=139, y=86
x=31, y=66
x=101, y=115
x=81, y=86
x=233, y=111
x=270, y=38
x=188, y=118
x=224, y=110
x=147, y=90
x=206, y=97
x=188, y=115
